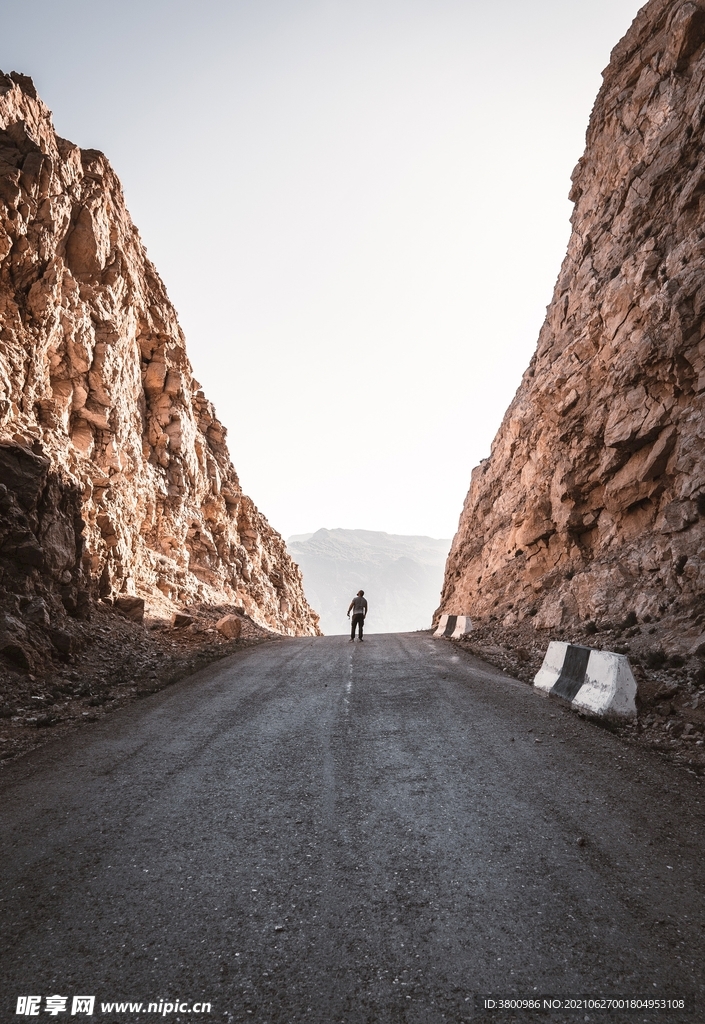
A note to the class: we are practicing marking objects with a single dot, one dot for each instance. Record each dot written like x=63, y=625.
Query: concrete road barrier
x=597, y=682
x=453, y=626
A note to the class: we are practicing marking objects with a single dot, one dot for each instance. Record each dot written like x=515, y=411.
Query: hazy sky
x=359, y=209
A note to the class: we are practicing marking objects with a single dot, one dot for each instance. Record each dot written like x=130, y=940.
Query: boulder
x=37, y=612
x=230, y=626
x=131, y=607
x=61, y=640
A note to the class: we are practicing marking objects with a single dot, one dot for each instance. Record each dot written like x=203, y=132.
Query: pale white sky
x=359, y=209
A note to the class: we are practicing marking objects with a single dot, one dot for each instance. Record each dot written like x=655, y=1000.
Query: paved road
x=318, y=831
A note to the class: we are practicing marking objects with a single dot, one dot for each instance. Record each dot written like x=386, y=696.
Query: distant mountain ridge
x=401, y=576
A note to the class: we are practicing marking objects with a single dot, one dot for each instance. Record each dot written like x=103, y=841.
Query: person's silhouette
x=358, y=606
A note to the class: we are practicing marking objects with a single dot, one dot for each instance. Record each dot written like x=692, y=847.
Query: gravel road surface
x=314, y=830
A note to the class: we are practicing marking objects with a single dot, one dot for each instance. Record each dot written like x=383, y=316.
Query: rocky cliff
x=116, y=478
x=591, y=505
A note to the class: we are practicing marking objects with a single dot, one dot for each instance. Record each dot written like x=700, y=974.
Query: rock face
x=592, y=502
x=116, y=478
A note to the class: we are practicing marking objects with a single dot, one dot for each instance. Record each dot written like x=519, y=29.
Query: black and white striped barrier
x=453, y=626
x=596, y=682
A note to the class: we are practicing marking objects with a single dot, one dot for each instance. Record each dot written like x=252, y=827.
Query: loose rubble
x=106, y=663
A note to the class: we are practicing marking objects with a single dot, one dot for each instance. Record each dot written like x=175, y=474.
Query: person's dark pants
x=357, y=620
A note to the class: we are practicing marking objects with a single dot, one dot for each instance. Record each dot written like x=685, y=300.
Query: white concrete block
x=599, y=683
x=609, y=687
x=453, y=626
x=442, y=623
x=549, y=672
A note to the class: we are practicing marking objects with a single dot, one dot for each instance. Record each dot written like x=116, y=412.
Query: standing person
x=358, y=606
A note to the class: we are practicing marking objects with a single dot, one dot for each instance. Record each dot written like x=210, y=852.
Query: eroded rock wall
x=98, y=401
x=592, y=502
